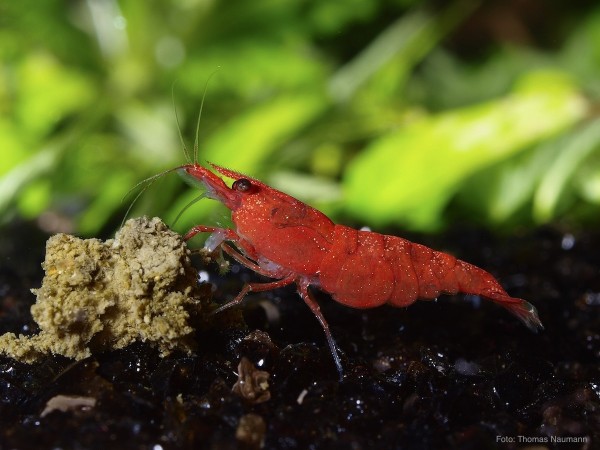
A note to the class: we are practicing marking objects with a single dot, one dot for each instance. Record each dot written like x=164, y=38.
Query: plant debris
x=98, y=295
x=252, y=384
x=66, y=403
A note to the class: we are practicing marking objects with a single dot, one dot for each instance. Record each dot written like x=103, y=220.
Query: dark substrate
x=459, y=372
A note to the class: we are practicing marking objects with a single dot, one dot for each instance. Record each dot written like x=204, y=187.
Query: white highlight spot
x=203, y=276
x=568, y=241
x=300, y=398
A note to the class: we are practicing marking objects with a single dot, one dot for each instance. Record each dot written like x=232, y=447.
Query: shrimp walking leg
x=228, y=234
x=254, y=287
x=244, y=261
x=316, y=310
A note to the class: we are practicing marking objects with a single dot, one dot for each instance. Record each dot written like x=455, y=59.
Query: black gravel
x=456, y=373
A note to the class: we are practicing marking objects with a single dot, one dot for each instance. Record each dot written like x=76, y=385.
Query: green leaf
x=588, y=183
x=513, y=184
x=49, y=91
x=246, y=142
x=576, y=149
x=408, y=176
x=392, y=55
x=12, y=182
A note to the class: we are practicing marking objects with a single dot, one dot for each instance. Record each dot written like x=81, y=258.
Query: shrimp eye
x=242, y=185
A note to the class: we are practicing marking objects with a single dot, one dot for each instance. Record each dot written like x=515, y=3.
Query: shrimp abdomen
x=365, y=269
x=354, y=271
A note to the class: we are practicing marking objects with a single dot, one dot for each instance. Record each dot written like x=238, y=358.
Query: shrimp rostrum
x=283, y=238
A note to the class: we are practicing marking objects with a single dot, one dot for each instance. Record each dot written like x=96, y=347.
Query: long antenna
x=185, y=149
x=147, y=182
x=150, y=180
x=185, y=208
x=200, y=114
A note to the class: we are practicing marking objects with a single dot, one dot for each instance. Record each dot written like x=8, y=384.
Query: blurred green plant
x=377, y=111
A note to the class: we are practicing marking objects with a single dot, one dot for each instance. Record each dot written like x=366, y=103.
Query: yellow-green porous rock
x=98, y=296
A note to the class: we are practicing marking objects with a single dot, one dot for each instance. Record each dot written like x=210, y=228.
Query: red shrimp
x=283, y=238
